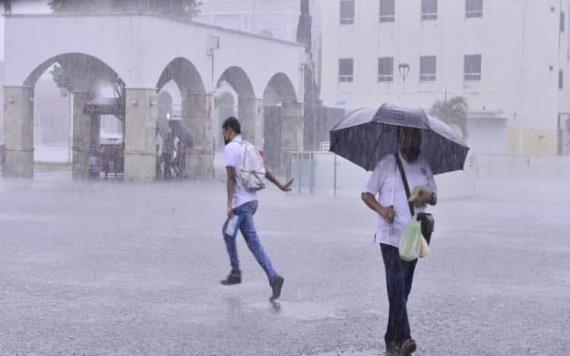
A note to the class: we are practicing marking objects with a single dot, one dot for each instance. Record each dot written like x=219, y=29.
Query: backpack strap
x=405, y=181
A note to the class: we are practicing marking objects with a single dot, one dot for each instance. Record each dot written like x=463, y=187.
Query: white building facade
x=508, y=58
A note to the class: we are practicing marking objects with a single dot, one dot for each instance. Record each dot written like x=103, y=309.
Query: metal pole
x=300, y=160
x=312, y=168
x=70, y=137
x=334, y=175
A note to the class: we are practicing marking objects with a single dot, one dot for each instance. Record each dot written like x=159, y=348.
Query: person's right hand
x=388, y=214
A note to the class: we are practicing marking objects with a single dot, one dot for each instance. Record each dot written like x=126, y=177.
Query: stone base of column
x=197, y=114
x=140, y=135
x=18, y=164
x=81, y=137
x=140, y=167
x=250, y=114
x=200, y=165
x=18, y=132
x=80, y=163
x=292, y=129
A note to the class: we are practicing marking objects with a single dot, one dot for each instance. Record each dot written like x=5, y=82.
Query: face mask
x=411, y=154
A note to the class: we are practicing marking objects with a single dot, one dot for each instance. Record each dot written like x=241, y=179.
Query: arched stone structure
x=134, y=47
x=283, y=119
x=83, y=76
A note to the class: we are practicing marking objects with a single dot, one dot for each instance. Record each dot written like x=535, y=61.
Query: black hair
x=408, y=130
x=233, y=124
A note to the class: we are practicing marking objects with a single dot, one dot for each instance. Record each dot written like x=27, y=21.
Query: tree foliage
x=176, y=8
x=453, y=112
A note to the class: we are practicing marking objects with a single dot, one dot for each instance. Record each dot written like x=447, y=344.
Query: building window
x=473, y=8
x=560, y=79
x=346, y=70
x=346, y=12
x=387, y=10
x=386, y=69
x=562, y=21
x=429, y=9
x=472, y=67
x=428, y=68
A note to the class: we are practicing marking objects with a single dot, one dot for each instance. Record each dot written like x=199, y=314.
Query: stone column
x=197, y=115
x=140, y=134
x=292, y=127
x=250, y=114
x=81, y=136
x=18, y=132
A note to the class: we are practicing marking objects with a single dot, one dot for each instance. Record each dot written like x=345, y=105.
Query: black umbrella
x=365, y=136
x=180, y=130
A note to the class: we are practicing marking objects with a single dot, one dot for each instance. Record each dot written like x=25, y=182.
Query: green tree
x=185, y=9
x=453, y=112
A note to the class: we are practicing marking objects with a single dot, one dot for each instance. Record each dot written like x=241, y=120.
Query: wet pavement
x=109, y=268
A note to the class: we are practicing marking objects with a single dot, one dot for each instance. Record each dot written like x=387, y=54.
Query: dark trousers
x=399, y=278
x=167, y=161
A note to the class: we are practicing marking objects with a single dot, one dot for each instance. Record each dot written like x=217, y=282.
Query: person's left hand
x=420, y=196
x=230, y=213
x=287, y=187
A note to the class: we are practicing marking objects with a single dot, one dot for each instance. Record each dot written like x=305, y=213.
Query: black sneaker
x=231, y=280
x=408, y=347
x=276, y=288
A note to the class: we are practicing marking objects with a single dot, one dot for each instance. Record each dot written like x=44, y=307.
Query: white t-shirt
x=386, y=184
x=233, y=154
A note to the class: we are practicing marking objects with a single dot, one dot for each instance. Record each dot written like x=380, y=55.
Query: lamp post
x=213, y=45
x=404, y=69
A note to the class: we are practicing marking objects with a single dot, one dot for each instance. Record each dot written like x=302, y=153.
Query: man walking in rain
x=394, y=215
x=242, y=203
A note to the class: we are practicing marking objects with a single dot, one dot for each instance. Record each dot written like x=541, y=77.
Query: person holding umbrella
x=404, y=148
x=392, y=209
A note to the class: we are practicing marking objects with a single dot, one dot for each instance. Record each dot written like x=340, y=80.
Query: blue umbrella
x=365, y=136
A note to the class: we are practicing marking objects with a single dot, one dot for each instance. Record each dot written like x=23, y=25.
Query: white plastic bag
x=410, y=242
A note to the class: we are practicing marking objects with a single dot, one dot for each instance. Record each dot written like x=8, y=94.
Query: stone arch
x=249, y=108
x=283, y=122
x=82, y=75
x=225, y=105
x=165, y=102
x=86, y=71
x=238, y=80
x=279, y=90
x=184, y=74
x=194, y=129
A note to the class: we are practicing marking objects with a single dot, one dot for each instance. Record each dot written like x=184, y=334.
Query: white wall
x=518, y=41
x=138, y=48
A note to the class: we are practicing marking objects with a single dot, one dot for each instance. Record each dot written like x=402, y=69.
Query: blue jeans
x=247, y=228
x=399, y=278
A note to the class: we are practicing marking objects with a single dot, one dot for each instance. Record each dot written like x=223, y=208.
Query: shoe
x=392, y=349
x=276, y=288
x=231, y=280
x=408, y=347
